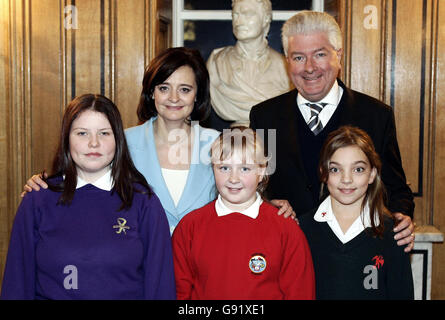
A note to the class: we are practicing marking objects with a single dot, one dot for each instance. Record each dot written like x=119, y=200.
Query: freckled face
x=92, y=145
x=350, y=173
x=175, y=97
x=313, y=64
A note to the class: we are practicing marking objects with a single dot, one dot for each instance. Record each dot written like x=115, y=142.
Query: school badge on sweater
x=121, y=226
x=257, y=263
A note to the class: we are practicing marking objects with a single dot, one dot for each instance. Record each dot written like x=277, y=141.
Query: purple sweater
x=89, y=250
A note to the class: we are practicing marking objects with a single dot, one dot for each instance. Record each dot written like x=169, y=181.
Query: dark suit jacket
x=290, y=179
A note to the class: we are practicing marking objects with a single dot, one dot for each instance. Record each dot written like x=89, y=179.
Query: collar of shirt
x=252, y=211
x=105, y=182
x=332, y=99
x=325, y=214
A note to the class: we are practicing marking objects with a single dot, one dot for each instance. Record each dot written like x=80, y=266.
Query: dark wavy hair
x=346, y=136
x=161, y=67
x=123, y=171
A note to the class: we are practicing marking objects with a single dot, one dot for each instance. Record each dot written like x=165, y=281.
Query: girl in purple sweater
x=98, y=231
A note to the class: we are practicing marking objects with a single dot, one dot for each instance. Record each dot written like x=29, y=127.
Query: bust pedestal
x=422, y=258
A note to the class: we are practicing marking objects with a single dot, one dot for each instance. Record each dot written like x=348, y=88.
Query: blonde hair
x=244, y=141
x=308, y=22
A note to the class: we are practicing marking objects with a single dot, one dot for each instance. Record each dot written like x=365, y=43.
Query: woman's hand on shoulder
x=35, y=183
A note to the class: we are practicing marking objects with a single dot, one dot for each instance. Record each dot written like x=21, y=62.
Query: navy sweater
x=365, y=268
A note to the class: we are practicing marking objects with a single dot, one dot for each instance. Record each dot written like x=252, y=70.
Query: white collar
x=252, y=211
x=105, y=182
x=332, y=98
x=325, y=214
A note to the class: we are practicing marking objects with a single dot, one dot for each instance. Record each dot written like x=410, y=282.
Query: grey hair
x=267, y=8
x=307, y=22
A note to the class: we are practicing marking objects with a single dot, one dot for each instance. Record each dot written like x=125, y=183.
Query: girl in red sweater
x=237, y=247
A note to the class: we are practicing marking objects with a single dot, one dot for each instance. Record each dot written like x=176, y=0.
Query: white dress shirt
x=332, y=99
x=252, y=211
x=325, y=214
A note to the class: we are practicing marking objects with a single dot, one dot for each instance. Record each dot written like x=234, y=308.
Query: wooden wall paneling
x=46, y=74
x=427, y=95
x=408, y=90
x=130, y=57
x=108, y=48
x=65, y=23
x=5, y=97
x=406, y=83
x=71, y=25
x=333, y=8
x=18, y=116
x=431, y=115
x=162, y=16
x=438, y=177
x=148, y=31
x=366, y=46
x=152, y=6
x=165, y=33
x=344, y=18
x=87, y=52
x=15, y=157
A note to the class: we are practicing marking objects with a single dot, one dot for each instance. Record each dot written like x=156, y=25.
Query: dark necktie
x=314, y=122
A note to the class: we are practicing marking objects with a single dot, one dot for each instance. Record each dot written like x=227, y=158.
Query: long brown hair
x=123, y=171
x=347, y=136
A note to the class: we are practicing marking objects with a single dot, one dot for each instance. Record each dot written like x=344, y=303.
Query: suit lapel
x=289, y=117
x=347, y=103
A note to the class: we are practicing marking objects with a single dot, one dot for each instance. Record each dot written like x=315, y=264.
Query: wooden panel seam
x=433, y=107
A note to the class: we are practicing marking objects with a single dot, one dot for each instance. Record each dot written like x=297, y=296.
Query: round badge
x=257, y=263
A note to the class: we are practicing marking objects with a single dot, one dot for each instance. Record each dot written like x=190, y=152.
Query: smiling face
x=350, y=173
x=313, y=64
x=237, y=181
x=92, y=145
x=175, y=97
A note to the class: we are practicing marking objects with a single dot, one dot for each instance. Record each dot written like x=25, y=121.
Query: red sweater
x=237, y=257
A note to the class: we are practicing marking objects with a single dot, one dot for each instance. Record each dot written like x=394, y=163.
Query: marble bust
x=249, y=72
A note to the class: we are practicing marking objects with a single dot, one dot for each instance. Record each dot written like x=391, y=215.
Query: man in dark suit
x=321, y=103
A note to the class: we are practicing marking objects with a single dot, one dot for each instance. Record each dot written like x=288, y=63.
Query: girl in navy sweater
x=350, y=234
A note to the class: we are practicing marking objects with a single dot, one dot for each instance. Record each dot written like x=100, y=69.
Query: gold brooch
x=121, y=225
